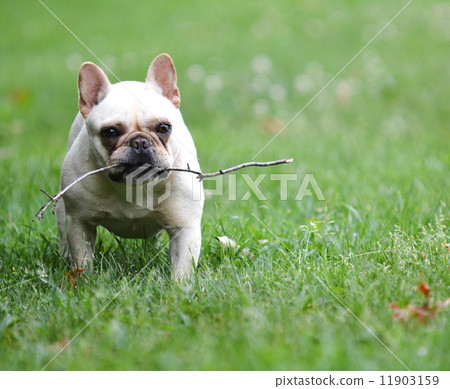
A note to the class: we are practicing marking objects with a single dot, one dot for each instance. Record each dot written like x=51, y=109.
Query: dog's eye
x=110, y=133
x=164, y=128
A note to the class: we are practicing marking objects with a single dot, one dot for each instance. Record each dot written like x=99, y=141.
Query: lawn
x=316, y=293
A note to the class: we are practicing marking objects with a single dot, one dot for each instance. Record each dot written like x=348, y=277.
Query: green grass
x=376, y=141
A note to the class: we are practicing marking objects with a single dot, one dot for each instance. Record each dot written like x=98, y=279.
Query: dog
x=138, y=127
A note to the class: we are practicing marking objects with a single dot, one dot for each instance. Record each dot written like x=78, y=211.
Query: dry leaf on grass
x=229, y=244
x=421, y=313
x=403, y=315
x=21, y=95
x=59, y=345
x=272, y=125
x=71, y=277
x=424, y=288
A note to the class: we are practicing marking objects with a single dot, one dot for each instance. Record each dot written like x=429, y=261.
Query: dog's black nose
x=140, y=144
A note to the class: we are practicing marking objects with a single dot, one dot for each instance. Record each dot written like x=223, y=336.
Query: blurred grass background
x=376, y=141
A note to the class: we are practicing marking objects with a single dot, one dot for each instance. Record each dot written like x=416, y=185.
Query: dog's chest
x=130, y=223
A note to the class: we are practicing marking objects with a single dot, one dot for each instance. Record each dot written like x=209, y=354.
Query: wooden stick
x=54, y=199
x=201, y=175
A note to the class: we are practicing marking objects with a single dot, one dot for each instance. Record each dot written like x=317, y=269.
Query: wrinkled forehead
x=135, y=102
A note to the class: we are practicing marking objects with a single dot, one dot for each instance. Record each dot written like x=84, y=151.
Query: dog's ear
x=163, y=77
x=93, y=86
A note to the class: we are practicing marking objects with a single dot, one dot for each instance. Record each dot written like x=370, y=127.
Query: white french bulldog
x=139, y=127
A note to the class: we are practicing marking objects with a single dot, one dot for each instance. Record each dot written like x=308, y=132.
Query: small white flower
x=344, y=92
x=109, y=61
x=303, y=84
x=213, y=83
x=195, y=73
x=422, y=351
x=73, y=62
x=277, y=92
x=262, y=64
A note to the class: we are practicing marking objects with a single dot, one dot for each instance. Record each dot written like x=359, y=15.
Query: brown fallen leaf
x=403, y=315
x=424, y=288
x=60, y=344
x=71, y=277
x=443, y=304
x=20, y=95
x=272, y=125
x=422, y=313
x=398, y=314
x=229, y=244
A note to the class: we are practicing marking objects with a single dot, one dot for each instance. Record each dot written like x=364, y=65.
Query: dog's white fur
x=99, y=201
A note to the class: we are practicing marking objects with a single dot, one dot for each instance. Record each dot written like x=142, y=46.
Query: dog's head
x=131, y=123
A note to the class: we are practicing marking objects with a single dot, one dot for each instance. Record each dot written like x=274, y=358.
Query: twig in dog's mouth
x=54, y=199
x=200, y=176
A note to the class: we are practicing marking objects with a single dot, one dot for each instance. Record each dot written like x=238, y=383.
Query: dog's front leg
x=184, y=249
x=81, y=240
x=61, y=217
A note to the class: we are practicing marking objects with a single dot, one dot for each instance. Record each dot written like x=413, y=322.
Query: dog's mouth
x=137, y=173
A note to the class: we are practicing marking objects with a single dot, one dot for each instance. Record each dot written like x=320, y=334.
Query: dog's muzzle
x=137, y=163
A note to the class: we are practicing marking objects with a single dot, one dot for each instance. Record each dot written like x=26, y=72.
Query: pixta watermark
x=149, y=187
